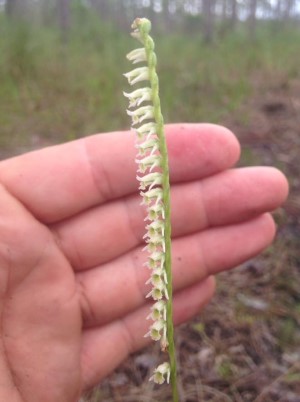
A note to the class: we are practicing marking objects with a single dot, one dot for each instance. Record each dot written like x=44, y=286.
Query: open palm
x=71, y=274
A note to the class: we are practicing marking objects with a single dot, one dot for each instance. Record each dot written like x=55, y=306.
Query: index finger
x=61, y=181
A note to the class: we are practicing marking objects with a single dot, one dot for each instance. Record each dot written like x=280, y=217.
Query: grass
x=51, y=92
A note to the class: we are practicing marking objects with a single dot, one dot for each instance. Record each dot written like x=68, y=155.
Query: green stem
x=154, y=83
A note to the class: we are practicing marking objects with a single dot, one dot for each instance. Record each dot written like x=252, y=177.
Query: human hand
x=72, y=293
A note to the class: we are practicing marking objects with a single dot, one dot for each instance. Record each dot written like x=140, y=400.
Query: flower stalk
x=153, y=176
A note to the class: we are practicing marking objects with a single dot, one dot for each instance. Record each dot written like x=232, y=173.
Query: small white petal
x=164, y=344
x=150, y=180
x=136, y=34
x=137, y=75
x=155, y=194
x=154, y=242
x=158, y=291
x=146, y=130
x=149, y=144
x=137, y=55
x=143, y=151
x=138, y=96
x=147, y=127
x=155, y=330
x=157, y=258
x=155, y=280
x=155, y=212
x=141, y=114
x=168, y=376
x=159, y=271
x=149, y=162
x=158, y=311
x=156, y=294
x=155, y=226
x=161, y=373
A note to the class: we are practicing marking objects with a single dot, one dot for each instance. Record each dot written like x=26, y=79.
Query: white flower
x=146, y=130
x=156, y=211
x=138, y=96
x=137, y=55
x=154, y=242
x=137, y=75
x=157, y=258
x=159, y=291
x=151, y=144
x=135, y=34
x=158, y=311
x=141, y=114
x=150, y=180
x=158, y=276
x=155, y=194
x=149, y=162
x=155, y=227
x=156, y=329
x=161, y=373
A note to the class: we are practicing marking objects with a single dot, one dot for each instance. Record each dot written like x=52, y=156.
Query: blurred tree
x=103, y=7
x=278, y=9
x=288, y=9
x=233, y=13
x=208, y=20
x=252, y=18
x=10, y=7
x=211, y=16
x=152, y=14
x=229, y=16
x=224, y=9
x=267, y=8
x=15, y=8
x=63, y=7
x=166, y=15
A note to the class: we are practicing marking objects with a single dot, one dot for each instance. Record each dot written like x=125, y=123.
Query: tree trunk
x=64, y=18
x=252, y=19
x=288, y=9
x=224, y=10
x=166, y=16
x=278, y=10
x=15, y=8
x=208, y=20
x=10, y=7
x=102, y=7
x=233, y=13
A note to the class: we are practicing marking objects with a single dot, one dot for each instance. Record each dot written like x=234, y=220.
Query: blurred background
x=231, y=62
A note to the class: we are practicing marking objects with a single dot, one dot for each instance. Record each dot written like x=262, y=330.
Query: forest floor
x=245, y=344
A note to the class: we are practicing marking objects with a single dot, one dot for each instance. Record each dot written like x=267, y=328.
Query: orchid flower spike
x=153, y=177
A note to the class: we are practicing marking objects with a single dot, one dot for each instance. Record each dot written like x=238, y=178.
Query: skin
x=71, y=275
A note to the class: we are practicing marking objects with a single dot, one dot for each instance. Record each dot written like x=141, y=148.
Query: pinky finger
x=104, y=348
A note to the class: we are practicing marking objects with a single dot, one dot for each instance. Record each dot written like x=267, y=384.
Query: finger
x=89, y=238
x=58, y=182
x=194, y=258
x=115, y=341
